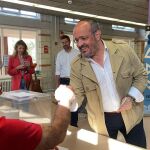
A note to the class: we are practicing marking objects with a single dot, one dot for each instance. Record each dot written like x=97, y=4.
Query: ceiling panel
x=131, y=10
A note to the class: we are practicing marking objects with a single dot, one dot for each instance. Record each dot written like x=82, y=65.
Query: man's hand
x=126, y=104
x=66, y=97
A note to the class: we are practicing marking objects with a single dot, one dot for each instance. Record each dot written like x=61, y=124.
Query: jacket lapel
x=87, y=70
x=115, y=58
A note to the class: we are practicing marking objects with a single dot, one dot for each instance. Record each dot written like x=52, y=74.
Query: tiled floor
x=83, y=123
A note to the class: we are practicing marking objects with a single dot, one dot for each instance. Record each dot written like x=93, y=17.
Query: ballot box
x=27, y=105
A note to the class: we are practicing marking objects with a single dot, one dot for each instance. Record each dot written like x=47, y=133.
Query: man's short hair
x=65, y=37
x=94, y=24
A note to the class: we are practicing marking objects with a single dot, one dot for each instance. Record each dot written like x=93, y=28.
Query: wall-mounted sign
x=45, y=49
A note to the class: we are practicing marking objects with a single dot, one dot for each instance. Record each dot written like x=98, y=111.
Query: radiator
x=6, y=84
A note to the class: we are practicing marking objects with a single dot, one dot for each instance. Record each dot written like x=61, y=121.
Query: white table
x=81, y=139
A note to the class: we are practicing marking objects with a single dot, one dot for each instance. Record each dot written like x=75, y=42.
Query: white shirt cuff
x=74, y=107
x=134, y=92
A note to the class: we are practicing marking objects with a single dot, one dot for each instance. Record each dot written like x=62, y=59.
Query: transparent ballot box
x=27, y=105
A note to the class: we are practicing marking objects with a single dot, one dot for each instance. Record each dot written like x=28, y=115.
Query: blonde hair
x=18, y=43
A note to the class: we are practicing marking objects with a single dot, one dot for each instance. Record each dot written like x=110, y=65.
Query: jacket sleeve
x=19, y=134
x=31, y=69
x=139, y=73
x=76, y=81
x=11, y=69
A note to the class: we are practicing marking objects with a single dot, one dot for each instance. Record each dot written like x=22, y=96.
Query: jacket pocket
x=89, y=88
x=125, y=74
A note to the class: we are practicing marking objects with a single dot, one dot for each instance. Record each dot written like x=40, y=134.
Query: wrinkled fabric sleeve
x=19, y=135
x=11, y=70
x=31, y=69
x=139, y=74
x=76, y=81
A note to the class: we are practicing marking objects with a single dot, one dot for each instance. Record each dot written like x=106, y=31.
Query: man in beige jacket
x=112, y=78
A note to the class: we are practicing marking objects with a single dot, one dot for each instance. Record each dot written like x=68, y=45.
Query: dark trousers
x=114, y=123
x=74, y=115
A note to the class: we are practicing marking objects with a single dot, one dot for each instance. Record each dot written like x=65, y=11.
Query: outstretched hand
x=66, y=97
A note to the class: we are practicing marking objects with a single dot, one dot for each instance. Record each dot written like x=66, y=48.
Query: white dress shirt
x=63, y=62
x=110, y=98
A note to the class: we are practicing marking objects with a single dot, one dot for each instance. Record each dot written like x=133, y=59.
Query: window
x=28, y=13
x=71, y=21
x=30, y=39
x=72, y=41
x=19, y=13
x=9, y=37
x=123, y=28
x=10, y=10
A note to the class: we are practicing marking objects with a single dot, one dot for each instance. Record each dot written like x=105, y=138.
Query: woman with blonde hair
x=20, y=66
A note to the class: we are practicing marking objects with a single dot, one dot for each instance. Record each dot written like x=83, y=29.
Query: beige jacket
x=127, y=71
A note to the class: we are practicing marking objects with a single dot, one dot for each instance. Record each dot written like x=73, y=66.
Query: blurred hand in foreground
x=66, y=97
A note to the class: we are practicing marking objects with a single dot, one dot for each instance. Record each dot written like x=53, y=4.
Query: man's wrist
x=132, y=98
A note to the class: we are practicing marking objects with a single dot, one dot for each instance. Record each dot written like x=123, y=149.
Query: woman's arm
x=13, y=69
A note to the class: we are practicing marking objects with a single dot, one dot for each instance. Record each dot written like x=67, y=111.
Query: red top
x=16, y=74
x=19, y=135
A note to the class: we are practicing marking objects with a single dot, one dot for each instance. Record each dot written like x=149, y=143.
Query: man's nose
x=80, y=43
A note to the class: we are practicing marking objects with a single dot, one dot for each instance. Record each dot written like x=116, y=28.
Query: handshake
x=65, y=97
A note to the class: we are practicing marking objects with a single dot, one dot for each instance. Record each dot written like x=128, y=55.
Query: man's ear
x=98, y=35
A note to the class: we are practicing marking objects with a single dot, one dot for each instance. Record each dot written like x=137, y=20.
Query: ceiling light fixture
x=69, y=2
x=73, y=12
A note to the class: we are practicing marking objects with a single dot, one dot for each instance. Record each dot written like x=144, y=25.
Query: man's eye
x=81, y=38
x=84, y=38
